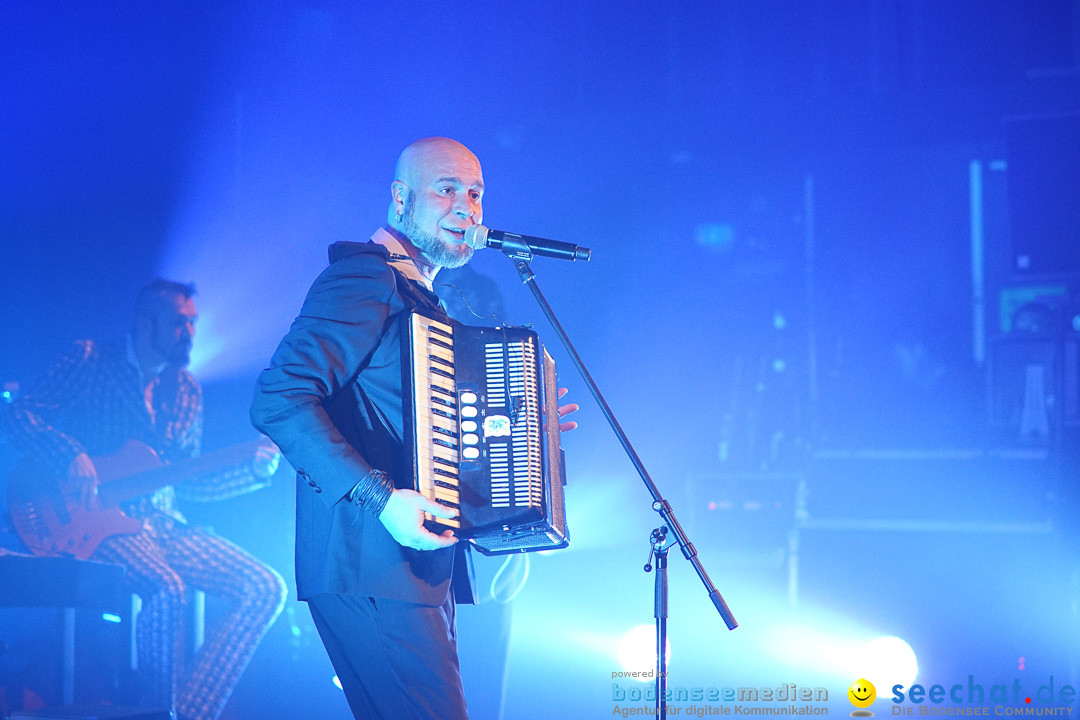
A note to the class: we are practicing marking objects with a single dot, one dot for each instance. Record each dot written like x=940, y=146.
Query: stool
x=76, y=591
x=46, y=604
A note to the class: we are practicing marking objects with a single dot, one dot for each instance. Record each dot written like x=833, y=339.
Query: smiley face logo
x=862, y=693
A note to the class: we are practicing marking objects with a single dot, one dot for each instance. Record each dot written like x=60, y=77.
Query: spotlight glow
x=636, y=651
x=826, y=649
x=888, y=661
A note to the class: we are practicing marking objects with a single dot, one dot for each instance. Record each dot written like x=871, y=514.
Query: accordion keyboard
x=437, y=443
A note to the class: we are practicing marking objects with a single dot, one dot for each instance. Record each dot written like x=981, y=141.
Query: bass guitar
x=49, y=517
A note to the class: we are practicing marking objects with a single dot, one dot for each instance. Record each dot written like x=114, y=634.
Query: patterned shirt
x=92, y=400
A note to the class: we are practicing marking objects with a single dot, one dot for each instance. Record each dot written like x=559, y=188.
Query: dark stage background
x=833, y=298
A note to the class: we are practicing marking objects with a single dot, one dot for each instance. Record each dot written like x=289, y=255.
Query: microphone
x=478, y=237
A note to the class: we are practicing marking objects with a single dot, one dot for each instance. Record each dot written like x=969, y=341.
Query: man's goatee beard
x=435, y=251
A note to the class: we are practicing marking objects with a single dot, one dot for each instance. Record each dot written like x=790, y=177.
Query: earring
x=397, y=218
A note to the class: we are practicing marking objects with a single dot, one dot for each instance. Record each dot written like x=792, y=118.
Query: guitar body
x=50, y=520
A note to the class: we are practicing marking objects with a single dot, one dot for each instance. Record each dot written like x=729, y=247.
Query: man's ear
x=398, y=192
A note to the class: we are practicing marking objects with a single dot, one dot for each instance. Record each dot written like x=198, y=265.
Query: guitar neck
x=113, y=492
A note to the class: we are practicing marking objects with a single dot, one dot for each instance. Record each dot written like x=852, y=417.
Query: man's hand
x=403, y=517
x=265, y=462
x=83, y=474
x=565, y=410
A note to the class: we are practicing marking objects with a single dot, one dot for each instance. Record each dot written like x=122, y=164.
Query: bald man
x=378, y=584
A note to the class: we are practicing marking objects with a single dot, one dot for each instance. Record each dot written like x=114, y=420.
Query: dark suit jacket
x=332, y=401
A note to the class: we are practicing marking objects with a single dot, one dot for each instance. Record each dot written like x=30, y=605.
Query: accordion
x=482, y=422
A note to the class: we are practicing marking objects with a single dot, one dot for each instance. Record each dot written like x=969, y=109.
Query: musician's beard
x=181, y=355
x=178, y=355
x=435, y=250
x=176, y=352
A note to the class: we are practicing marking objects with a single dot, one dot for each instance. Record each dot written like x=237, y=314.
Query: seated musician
x=91, y=402
x=377, y=582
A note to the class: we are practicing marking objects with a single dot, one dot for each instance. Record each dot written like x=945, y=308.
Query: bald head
x=435, y=197
x=427, y=152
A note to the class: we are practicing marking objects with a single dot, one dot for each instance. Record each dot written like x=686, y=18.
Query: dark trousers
x=395, y=660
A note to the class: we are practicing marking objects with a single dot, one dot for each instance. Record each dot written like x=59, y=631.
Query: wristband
x=373, y=491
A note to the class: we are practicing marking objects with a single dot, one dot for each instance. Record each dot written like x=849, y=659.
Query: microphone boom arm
x=521, y=258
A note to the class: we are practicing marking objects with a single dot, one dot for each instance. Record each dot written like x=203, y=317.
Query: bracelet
x=373, y=491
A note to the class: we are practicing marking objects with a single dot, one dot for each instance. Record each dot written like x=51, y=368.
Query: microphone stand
x=660, y=611
x=521, y=256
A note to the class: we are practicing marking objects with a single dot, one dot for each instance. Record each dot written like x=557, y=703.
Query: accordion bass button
x=470, y=453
